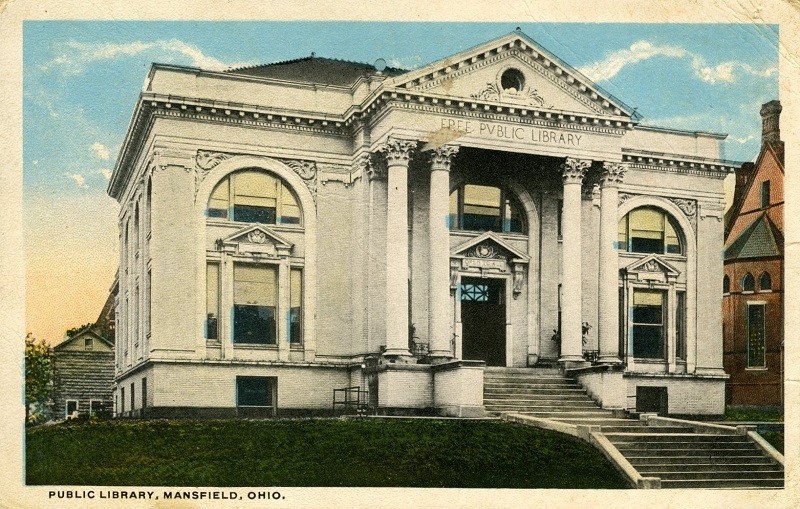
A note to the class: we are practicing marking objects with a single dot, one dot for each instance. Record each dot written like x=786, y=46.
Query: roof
x=315, y=69
x=762, y=239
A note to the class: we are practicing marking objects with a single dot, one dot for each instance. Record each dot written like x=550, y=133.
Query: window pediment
x=256, y=239
x=489, y=246
x=652, y=269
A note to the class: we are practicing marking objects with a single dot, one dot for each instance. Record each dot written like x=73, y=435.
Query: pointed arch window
x=478, y=207
x=765, y=282
x=726, y=284
x=254, y=196
x=748, y=283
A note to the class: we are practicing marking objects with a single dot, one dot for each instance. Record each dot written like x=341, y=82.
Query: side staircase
x=669, y=453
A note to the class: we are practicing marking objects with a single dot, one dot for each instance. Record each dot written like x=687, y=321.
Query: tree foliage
x=38, y=378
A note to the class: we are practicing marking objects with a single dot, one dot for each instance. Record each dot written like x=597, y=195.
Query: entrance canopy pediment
x=257, y=239
x=652, y=268
x=489, y=245
x=516, y=71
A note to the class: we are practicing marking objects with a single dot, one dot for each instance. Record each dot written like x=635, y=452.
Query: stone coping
x=703, y=427
x=765, y=446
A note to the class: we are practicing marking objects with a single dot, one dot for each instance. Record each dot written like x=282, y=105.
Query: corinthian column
x=397, y=153
x=573, y=171
x=439, y=314
x=608, y=305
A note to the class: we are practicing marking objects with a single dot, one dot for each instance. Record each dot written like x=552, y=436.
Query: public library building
x=316, y=224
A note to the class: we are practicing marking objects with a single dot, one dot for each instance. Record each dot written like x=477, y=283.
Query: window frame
x=668, y=220
x=761, y=286
x=283, y=189
x=764, y=194
x=662, y=326
x=270, y=384
x=751, y=280
x=508, y=202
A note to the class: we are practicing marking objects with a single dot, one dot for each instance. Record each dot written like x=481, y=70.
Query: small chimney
x=771, y=127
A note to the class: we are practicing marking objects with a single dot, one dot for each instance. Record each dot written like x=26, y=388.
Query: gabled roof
x=736, y=208
x=315, y=69
x=86, y=331
x=762, y=239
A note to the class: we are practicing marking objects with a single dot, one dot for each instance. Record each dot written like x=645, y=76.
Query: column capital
x=442, y=156
x=573, y=170
x=373, y=166
x=397, y=151
x=612, y=174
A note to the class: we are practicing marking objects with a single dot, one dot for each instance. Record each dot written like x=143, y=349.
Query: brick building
x=753, y=281
x=292, y=228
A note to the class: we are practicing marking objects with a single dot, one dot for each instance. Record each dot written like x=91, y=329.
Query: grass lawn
x=314, y=452
x=753, y=414
x=775, y=438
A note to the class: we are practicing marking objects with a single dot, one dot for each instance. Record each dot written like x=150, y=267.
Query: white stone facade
x=415, y=223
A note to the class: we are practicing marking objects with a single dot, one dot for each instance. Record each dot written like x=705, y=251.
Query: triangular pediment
x=257, y=238
x=489, y=245
x=652, y=264
x=546, y=82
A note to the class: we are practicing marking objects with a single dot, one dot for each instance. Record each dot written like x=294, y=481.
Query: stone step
x=654, y=436
x=534, y=408
x=545, y=399
x=494, y=370
x=537, y=389
x=715, y=452
x=629, y=429
x=644, y=460
x=527, y=382
x=699, y=447
x=718, y=474
x=604, y=421
x=723, y=483
x=655, y=469
x=566, y=412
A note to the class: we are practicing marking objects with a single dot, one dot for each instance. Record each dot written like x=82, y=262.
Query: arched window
x=649, y=230
x=748, y=283
x=254, y=196
x=486, y=208
x=726, y=284
x=765, y=282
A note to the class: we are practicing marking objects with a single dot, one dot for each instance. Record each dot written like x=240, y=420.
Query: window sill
x=648, y=360
x=748, y=293
x=247, y=346
x=766, y=291
x=239, y=224
x=756, y=369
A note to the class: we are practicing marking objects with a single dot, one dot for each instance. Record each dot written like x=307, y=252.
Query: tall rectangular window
x=144, y=392
x=680, y=326
x=122, y=399
x=648, y=324
x=133, y=396
x=296, y=306
x=756, y=336
x=765, y=194
x=212, y=301
x=254, y=303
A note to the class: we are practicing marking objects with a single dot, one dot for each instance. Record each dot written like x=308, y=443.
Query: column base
x=573, y=361
x=398, y=356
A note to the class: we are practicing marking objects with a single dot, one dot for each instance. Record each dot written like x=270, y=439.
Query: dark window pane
x=647, y=341
x=748, y=283
x=482, y=222
x=295, y=330
x=290, y=220
x=642, y=245
x=253, y=391
x=253, y=324
x=253, y=214
x=211, y=327
x=647, y=314
x=765, y=282
x=223, y=213
x=755, y=336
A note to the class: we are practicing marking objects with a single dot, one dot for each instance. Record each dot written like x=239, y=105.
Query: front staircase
x=680, y=453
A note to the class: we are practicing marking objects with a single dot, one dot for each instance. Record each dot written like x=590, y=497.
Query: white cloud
x=638, y=52
x=105, y=172
x=80, y=181
x=74, y=56
x=723, y=72
x=742, y=141
x=101, y=151
x=411, y=62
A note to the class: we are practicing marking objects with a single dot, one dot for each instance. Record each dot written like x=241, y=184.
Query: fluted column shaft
x=573, y=171
x=397, y=153
x=608, y=293
x=439, y=314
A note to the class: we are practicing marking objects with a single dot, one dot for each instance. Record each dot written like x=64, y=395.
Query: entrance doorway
x=483, y=320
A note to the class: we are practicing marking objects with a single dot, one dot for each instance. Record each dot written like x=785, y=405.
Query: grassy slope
x=406, y=453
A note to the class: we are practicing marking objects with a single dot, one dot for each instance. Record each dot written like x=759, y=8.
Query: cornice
x=674, y=163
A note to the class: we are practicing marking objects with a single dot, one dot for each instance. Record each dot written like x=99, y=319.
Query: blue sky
x=82, y=79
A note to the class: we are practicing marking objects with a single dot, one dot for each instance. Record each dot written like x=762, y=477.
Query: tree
x=38, y=378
